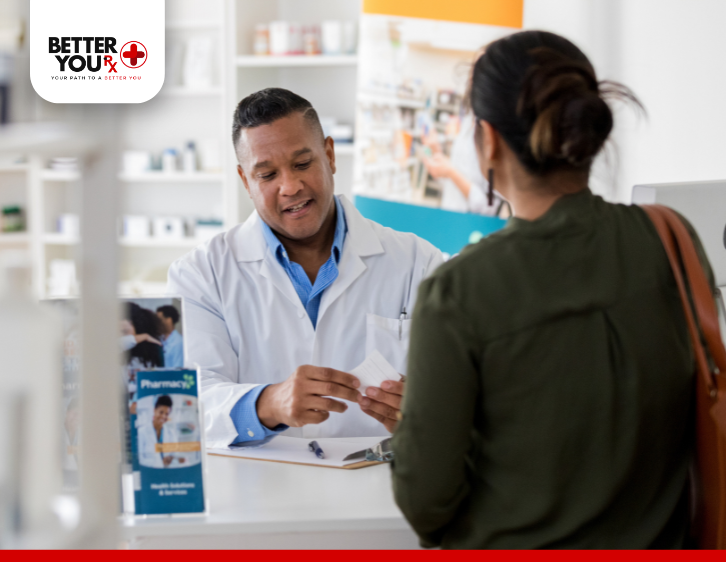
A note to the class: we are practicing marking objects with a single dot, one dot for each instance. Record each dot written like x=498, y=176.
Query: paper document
x=295, y=450
x=374, y=370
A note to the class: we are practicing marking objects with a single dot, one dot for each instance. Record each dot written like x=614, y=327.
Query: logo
x=189, y=380
x=135, y=56
x=186, y=384
x=78, y=54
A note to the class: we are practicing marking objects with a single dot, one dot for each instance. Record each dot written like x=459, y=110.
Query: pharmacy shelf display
x=328, y=81
x=194, y=105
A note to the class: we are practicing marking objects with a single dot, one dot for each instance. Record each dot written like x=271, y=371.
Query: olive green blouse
x=549, y=391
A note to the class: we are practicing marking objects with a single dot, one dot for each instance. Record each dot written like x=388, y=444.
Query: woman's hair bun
x=540, y=92
x=561, y=98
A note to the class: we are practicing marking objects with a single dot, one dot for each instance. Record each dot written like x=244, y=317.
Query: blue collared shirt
x=173, y=346
x=244, y=412
x=309, y=293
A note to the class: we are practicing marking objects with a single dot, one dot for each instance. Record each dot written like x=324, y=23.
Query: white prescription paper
x=373, y=371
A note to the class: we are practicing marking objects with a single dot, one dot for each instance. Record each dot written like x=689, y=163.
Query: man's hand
x=303, y=398
x=383, y=404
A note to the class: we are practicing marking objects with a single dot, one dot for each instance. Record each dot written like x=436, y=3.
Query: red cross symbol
x=136, y=52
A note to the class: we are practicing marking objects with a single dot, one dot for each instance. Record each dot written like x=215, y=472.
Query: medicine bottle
x=13, y=219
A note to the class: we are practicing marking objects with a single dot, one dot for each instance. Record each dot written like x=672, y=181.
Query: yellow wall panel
x=507, y=13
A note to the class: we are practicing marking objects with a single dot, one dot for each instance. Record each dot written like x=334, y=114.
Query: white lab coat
x=245, y=324
x=147, y=445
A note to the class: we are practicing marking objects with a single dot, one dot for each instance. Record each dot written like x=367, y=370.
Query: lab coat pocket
x=390, y=336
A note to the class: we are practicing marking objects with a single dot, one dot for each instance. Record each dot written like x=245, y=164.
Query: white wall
x=674, y=58
x=672, y=54
x=593, y=26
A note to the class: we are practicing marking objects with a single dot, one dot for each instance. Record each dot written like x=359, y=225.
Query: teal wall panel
x=449, y=231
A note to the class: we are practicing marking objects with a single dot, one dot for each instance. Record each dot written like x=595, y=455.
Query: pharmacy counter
x=259, y=505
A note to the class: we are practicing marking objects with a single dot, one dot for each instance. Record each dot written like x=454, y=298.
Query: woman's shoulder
x=468, y=272
x=487, y=253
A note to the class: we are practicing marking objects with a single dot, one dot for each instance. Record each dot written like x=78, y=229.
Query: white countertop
x=260, y=497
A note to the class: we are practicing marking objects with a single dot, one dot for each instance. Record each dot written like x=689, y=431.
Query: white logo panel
x=93, y=51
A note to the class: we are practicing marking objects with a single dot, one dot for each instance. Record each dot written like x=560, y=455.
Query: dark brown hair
x=144, y=321
x=540, y=92
x=269, y=105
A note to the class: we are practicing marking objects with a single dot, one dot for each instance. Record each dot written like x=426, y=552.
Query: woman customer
x=549, y=391
x=140, y=335
x=144, y=325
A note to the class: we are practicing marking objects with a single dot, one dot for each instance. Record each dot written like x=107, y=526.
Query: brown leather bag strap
x=703, y=297
x=710, y=385
x=680, y=250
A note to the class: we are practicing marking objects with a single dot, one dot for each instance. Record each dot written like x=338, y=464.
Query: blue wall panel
x=449, y=231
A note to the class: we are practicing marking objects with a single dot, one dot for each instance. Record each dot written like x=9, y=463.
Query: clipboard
x=294, y=450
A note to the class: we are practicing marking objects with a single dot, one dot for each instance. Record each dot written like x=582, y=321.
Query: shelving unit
x=328, y=82
x=13, y=238
x=191, y=25
x=390, y=100
x=270, y=61
x=184, y=92
x=56, y=239
x=59, y=175
x=187, y=243
x=179, y=114
x=172, y=178
x=24, y=184
x=15, y=190
x=13, y=168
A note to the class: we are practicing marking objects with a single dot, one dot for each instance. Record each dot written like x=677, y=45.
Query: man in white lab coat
x=280, y=308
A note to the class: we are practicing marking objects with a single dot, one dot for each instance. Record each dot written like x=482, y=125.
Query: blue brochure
x=166, y=443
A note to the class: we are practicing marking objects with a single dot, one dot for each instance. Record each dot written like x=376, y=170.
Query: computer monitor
x=703, y=203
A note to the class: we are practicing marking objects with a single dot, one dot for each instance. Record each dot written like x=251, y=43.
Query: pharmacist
x=280, y=309
x=464, y=188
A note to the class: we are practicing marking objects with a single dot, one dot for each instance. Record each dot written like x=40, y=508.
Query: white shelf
x=175, y=177
x=14, y=238
x=390, y=100
x=59, y=239
x=276, y=61
x=192, y=25
x=59, y=175
x=64, y=240
x=13, y=168
x=155, y=243
x=184, y=92
x=141, y=288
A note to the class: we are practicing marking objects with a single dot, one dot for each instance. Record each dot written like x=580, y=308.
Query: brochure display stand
x=166, y=443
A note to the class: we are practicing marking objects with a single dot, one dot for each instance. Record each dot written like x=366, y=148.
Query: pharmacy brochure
x=151, y=336
x=166, y=443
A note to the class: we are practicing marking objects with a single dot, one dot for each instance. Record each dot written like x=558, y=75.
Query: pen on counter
x=315, y=448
